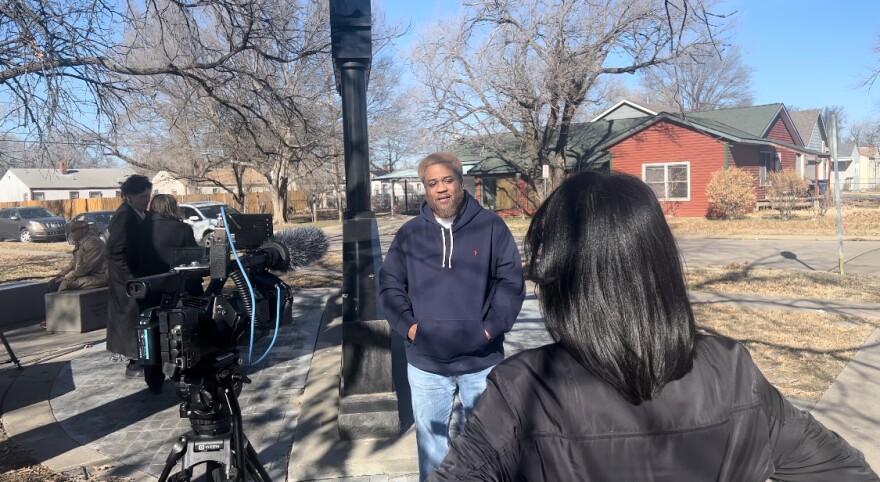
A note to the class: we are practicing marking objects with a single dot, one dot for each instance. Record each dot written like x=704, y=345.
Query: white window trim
x=666, y=178
x=775, y=158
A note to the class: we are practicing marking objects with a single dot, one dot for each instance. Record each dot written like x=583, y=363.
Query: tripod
x=217, y=438
x=9, y=351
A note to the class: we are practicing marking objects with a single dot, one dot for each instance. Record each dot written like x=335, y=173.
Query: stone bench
x=76, y=311
x=22, y=302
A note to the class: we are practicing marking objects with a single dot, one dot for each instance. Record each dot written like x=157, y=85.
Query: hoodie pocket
x=448, y=339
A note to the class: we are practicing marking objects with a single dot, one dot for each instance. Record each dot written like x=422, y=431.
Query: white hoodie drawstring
x=451, y=247
x=443, y=236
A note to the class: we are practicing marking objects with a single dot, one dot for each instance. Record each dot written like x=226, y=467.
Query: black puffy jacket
x=544, y=417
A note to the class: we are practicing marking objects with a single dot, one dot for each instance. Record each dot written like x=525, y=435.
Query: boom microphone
x=305, y=245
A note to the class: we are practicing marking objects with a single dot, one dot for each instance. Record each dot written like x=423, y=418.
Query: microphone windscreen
x=306, y=245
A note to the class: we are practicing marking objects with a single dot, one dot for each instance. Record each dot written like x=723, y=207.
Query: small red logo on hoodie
x=475, y=252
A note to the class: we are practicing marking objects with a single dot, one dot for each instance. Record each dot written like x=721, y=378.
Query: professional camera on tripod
x=196, y=338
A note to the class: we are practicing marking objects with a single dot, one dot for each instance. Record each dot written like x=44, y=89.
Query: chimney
x=62, y=167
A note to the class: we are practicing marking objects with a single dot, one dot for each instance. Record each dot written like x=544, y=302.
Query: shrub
x=786, y=190
x=731, y=193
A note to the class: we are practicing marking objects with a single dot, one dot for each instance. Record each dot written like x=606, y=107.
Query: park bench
x=22, y=302
x=76, y=311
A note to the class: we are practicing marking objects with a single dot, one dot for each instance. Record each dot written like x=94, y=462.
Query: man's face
x=443, y=190
x=140, y=201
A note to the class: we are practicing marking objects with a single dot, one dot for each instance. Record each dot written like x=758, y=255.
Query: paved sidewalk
x=81, y=411
x=76, y=410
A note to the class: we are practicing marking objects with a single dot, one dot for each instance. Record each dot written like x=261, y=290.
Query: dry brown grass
x=801, y=353
x=326, y=272
x=61, y=247
x=857, y=221
x=29, y=267
x=740, y=278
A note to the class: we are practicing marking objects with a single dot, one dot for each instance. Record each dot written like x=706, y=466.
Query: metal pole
x=9, y=351
x=368, y=404
x=837, y=201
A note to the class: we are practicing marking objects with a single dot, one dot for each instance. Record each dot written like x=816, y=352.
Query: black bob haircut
x=610, y=282
x=135, y=184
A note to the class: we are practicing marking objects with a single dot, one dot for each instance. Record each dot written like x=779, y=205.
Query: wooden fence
x=257, y=202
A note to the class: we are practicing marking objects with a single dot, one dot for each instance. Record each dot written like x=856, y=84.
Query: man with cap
x=89, y=266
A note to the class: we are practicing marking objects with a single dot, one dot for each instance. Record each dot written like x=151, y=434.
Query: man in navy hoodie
x=452, y=286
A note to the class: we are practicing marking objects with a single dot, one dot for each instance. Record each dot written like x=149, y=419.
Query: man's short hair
x=446, y=158
x=136, y=184
x=71, y=227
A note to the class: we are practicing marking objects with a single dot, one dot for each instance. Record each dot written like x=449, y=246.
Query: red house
x=676, y=154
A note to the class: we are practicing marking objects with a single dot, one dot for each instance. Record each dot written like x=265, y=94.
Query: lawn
x=858, y=222
x=741, y=278
x=801, y=353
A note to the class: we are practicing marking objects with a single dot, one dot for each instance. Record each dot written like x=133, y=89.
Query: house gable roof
x=96, y=178
x=712, y=128
x=586, y=145
x=647, y=109
x=754, y=120
x=805, y=121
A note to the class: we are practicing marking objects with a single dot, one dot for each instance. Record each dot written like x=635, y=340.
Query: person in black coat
x=122, y=310
x=631, y=390
x=157, y=241
x=161, y=234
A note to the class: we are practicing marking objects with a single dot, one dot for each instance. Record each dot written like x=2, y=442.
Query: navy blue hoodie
x=455, y=283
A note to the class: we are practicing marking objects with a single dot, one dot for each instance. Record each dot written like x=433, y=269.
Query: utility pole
x=837, y=201
x=368, y=403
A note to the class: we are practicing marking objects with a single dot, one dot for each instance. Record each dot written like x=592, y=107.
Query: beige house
x=868, y=168
x=212, y=182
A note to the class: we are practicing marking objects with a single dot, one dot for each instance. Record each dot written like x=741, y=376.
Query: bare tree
x=526, y=67
x=874, y=72
x=865, y=133
x=58, y=48
x=706, y=79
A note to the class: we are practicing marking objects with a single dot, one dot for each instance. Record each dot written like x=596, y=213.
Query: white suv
x=202, y=216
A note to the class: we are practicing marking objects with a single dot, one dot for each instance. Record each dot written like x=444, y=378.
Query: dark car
x=98, y=221
x=31, y=224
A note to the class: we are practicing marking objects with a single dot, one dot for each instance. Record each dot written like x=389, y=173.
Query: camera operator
x=122, y=310
x=156, y=240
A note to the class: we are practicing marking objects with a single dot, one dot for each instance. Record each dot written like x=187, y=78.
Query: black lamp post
x=368, y=405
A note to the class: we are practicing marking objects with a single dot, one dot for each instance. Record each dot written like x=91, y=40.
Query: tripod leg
x=9, y=350
x=177, y=451
x=257, y=471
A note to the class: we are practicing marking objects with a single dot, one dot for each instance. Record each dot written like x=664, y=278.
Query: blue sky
x=805, y=53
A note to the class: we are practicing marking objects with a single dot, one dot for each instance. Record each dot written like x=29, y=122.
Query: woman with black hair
x=157, y=242
x=630, y=390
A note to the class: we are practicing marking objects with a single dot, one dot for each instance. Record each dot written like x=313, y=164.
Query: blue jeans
x=432, y=398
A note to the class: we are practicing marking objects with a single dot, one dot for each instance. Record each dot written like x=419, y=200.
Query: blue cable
x=246, y=280
x=277, y=323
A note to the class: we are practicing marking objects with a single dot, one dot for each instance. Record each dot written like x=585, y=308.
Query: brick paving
x=118, y=417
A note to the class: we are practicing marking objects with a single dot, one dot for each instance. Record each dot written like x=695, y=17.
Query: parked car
x=98, y=221
x=202, y=216
x=28, y=224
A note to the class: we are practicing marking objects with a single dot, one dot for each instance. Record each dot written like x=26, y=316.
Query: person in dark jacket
x=630, y=390
x=122, y=310
x=161, y=235
x=158, y=241
x=452, y=286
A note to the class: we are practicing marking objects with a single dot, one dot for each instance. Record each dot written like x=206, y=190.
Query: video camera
x=185, y=331
x=195, y=335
